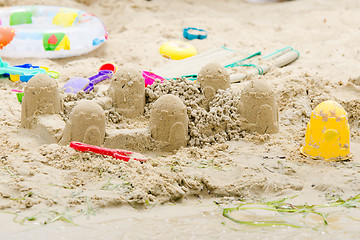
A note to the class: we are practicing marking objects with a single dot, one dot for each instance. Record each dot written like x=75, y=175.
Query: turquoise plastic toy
x=6, y=69
x=24, y=72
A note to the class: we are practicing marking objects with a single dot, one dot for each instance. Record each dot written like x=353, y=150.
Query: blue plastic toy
x=192, y=33
x=26, y=70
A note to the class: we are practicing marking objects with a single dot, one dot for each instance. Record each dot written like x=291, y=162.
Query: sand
x=44, y=186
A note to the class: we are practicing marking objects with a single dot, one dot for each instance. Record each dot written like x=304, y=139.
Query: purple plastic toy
x=76, y=84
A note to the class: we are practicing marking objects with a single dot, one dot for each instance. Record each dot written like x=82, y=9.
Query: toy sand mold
x=327, y=134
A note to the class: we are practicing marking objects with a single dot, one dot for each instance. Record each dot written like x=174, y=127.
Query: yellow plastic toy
x=327, y=135
x=177, y=50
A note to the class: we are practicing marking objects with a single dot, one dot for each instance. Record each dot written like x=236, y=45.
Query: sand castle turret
x=258, y=106
x=169, y=122
x=41, y=97
x=212, y=77
x=127, y=91
x=86, y=124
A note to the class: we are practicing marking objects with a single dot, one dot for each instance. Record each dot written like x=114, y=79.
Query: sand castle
x=169, y=122
x=168, y=128
x=127, y=91
x=258, y=106
x=212, y=77
x=41, y=97
x=86, y=124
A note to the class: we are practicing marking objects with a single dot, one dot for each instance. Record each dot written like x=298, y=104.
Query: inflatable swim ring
x=48, y=32
x=177, y=50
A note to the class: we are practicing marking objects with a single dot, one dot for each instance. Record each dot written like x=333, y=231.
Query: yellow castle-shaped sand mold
x=327, y=135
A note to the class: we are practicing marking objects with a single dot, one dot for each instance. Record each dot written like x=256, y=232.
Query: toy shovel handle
x=127, y=158
x=101, y=76
x=90, y=148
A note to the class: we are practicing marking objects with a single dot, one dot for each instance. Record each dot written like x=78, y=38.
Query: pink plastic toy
x=151, y=77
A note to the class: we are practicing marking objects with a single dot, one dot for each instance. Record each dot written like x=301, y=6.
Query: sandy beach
x=51, y=190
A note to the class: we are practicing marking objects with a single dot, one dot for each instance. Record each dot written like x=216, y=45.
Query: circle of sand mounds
x=169, y=122
x=41, y=97
x=258, y=106
x=127, y=91
x=222, y=119
x=86, y=124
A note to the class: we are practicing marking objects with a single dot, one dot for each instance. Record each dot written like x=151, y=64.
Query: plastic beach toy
x=19, y=94
x=192, y=33
x=150, y=78
x=109, y=66
x=48, y=32
x=115, y=153
x=76, y=84
x=6, y=69
x=24, y=72
x=177, y=50
x=327, y=135
x=24, y=78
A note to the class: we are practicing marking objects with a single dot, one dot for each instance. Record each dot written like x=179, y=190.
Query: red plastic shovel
x=115, y=153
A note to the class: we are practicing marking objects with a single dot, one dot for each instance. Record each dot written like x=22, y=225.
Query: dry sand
x=175, y=193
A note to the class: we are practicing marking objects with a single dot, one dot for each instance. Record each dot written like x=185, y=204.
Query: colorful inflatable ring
x=177, y=50
x=48, y=32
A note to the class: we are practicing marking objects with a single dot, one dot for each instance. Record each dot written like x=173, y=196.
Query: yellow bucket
x=327, y=135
